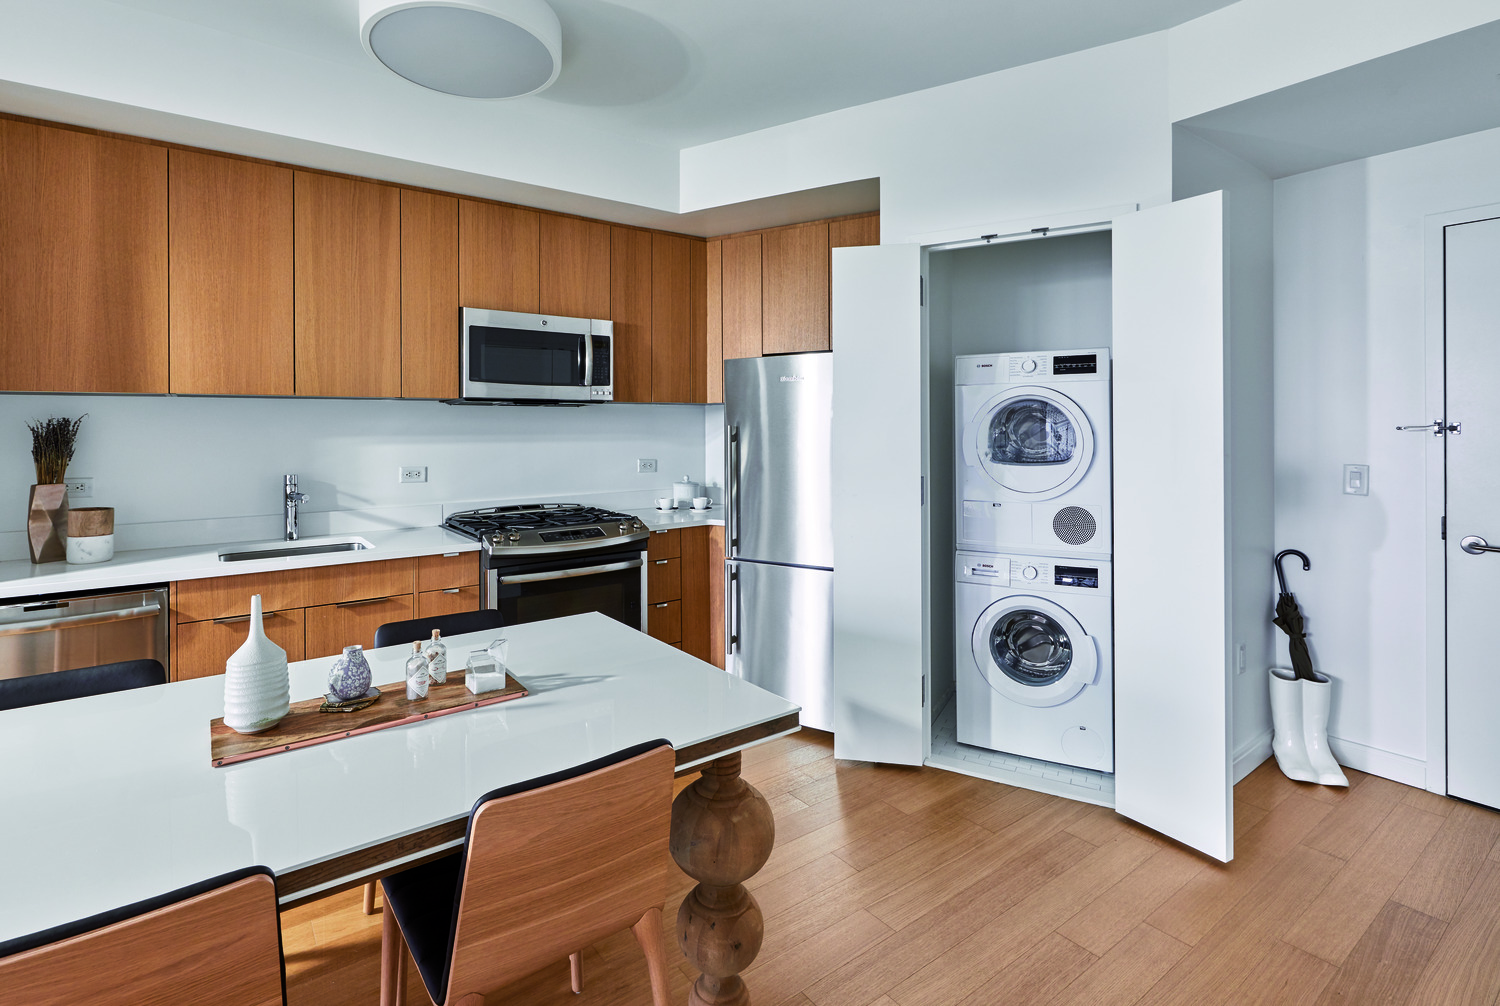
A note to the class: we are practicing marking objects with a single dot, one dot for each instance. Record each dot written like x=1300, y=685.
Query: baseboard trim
x=1386, y=764
x=1251, y=754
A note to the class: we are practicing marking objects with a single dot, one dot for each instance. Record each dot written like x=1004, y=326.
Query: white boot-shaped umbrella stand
x=1316, y=695
x=1288, y=740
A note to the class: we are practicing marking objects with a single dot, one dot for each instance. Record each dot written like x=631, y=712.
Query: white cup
x=665, y=503
x=701, y=502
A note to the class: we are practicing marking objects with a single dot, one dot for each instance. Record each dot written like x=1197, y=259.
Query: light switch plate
x=1356, y=480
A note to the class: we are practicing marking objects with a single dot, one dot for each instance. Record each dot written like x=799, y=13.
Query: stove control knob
x=1028, y=366
x=1030, y=572
x=624, y=527
x=514, y=536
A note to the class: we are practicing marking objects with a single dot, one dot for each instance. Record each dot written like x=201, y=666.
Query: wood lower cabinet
x=359, y=581
x=447, y=602
x=663, y=580
x=702, y=566
x=664, y=621
x=200, y=649
x=452, y=569
x=331, y=627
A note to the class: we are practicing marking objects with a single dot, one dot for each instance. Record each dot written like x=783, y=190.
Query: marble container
x=91, y=534
x=257, y=688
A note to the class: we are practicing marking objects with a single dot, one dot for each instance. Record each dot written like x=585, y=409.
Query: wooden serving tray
x=305, y=726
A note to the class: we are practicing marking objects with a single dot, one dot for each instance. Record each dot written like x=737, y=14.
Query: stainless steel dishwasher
x=64, y=631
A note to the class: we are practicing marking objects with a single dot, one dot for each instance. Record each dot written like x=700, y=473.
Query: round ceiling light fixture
x=471, y=48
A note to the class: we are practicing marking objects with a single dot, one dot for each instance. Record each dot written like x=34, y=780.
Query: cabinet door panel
x=439, y=572
x=331, y=627
x=698, y=348
x=795, y=292
x=231, y=276
x=447, y=602
x=714, y=321
x=429, y=295
x=83, y=262
x=664, y=544
x=359, y=581
x=852, y=232
x=348, y=293
x=664, y=621
x=228, y=596
x=716, y=613
x=671, y=306
x=630, y=307
x=697, y=600
x=498, y=257
x=200, y=649
x=741, y=290
x=574, y=279
x=663, y=580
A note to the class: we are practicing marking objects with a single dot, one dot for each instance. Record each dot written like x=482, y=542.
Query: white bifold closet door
x=1170, y=432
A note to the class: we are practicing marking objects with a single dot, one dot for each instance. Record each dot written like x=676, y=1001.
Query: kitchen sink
x=291, y=549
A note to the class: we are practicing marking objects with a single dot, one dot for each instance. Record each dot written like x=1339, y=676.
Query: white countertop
x=111, y=799
x=20, y=578
x=681, y=517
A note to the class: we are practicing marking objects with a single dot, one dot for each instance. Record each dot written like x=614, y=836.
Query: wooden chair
x=55, y=686
x=217, y=942
x=547, y=868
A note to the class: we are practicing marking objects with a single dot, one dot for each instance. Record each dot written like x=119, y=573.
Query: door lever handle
x=1436, y=427
x=1475, y=545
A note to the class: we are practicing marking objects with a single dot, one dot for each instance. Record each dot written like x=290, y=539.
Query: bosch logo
x=787, y=378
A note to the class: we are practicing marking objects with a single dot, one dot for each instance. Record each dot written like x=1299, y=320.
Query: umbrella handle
x=1281, y=576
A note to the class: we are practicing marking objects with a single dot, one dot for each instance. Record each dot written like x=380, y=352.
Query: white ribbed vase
x=257, y=690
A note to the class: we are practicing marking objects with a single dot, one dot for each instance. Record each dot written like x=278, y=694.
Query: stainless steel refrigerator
x=778, y=411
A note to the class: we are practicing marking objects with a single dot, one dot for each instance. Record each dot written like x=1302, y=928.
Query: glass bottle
x=436, y=653
x=416, y=673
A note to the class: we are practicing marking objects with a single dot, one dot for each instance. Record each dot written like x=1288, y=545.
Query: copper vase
x=47, y=523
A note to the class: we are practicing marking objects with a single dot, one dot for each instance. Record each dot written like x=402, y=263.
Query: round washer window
x=1031, y=648
x=1030, y=431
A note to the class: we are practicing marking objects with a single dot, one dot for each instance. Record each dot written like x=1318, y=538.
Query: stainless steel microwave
x=544, y=358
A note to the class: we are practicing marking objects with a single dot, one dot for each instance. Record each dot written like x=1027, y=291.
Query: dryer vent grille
x=1074, y=525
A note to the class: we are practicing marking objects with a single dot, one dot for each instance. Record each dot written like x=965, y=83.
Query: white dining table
x=112, y=799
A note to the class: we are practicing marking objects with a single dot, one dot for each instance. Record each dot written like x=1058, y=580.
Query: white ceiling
x=683, y=72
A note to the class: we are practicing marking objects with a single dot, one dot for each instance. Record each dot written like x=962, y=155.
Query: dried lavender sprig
x=52, y=443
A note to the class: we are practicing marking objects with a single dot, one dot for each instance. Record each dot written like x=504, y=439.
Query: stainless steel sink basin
x=291, y=549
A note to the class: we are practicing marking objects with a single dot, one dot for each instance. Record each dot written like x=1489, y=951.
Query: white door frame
x=1436, y=505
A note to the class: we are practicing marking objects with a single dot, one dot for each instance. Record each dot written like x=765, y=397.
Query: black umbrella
x=1289, y=620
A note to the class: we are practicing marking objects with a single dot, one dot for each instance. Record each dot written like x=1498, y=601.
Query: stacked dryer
x=1033, y=596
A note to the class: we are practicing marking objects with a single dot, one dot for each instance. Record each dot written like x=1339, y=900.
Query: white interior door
x=879, y=432
x=1471, y=302
x=1171, y=564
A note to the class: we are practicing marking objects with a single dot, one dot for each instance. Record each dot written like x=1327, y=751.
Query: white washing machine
x=1035, y=657
x=1033, y=457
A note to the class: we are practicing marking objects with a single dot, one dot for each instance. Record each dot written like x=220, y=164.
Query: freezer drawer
x=781, y=634
x=60, y=633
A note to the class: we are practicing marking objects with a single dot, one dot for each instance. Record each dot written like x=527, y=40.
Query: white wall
x=208, y=470
x=1085, y=130
x=1350, y=366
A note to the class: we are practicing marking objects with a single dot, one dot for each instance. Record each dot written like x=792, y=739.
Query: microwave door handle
x=588, y=360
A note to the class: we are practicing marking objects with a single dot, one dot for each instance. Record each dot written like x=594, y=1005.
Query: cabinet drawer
x=663, y=580
x=664, y=621
x=199, y=649
x=359, y=581
x=228, y=596
x=331, y=627
x=442, y=572
x=664, y=544
x=447, y=602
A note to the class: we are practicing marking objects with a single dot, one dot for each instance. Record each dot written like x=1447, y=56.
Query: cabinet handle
x=661, y=605
x=355, y=604
x=451, y=555
x=662, y=562
x=242, y=618
x=453, y=590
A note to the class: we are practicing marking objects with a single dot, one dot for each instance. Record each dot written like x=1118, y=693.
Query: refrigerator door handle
x=733, y=607
x=731, y=477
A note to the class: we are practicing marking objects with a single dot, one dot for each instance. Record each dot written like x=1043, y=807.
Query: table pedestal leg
x=722, y=833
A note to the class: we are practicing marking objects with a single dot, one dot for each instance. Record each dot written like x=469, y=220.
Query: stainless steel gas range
x=546, y=560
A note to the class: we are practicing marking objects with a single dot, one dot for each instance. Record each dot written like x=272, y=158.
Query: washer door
x=1033, y=651
x=1034, y=443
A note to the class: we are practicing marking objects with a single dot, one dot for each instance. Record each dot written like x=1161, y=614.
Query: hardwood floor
x=906, y=887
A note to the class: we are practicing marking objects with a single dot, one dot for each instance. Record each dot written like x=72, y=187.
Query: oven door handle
x=563, y=574
x=69, y=621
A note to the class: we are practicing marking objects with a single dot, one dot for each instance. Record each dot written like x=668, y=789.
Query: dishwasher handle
x=71, y=621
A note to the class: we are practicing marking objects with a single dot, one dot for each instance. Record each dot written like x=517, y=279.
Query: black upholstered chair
x=411, y=630
x=216, y=942
x=54, y=686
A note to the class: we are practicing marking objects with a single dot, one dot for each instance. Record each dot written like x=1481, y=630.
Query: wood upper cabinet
x=630, y=309
x=741, y=292
x=713, y=293
x=848, y=232
x=574, y=258
x=795, y=277
x=671, y=304
x=348, y=292
x=83, y=262
x=701, y=356
x=498, y=257
x=231, y=276
x=430, y=337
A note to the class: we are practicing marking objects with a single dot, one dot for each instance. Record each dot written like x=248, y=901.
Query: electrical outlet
x=413, y=473
x=645, y=466
x=79, y=486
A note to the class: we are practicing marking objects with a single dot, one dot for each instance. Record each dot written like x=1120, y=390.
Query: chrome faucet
x=292, y=498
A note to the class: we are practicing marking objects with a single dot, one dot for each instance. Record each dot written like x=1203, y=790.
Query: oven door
x=612, y=583
x=522, y=357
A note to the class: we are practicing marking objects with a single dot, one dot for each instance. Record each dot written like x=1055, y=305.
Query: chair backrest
x=215, y=942
x=550, y=869
x=409, y=631
x=54, y=686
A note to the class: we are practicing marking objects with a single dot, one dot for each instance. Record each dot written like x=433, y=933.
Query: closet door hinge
x=923, y=684
x=1443, y=532
x=921, y=291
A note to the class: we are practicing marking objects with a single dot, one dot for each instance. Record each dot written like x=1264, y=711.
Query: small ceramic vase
x=256, y=685
x=349, y=677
